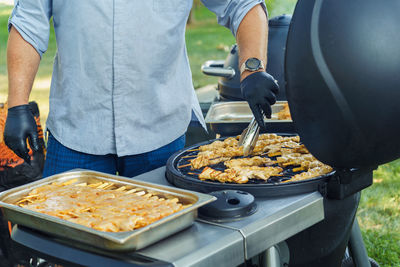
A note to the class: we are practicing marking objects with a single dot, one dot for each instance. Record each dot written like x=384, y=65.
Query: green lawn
x=40, y=92
x=379, y=209
x=207, y=40
x=379, y=215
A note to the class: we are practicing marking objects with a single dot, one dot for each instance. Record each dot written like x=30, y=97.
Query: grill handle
x=216, y=68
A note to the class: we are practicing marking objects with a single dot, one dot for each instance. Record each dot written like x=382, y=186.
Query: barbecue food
x=230, y=141
x=271, y=155
x=284, y=114
x=221, y=151
x=239, y=174
x=206, y=160
x=254, y=161
x=272, y=137
x=306, y=161
x=101, y=206
x=314, y=172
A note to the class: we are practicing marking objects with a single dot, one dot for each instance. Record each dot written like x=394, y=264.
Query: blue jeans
x=60, y=159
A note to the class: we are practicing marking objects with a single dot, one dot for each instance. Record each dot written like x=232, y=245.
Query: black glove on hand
x=21, y=125
x=260, y=90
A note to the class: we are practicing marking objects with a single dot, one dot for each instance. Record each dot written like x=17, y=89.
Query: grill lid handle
x=216, y=68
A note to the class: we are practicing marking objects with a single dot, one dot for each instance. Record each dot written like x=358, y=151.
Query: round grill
x=187, y=178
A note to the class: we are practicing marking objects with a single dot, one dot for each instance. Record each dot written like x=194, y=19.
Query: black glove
x=21, y=125
x=260, y=90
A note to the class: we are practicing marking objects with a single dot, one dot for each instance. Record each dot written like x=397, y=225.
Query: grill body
x=324, y=243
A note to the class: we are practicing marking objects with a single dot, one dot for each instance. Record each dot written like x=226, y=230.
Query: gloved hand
x=20, y=125
x=259, y=89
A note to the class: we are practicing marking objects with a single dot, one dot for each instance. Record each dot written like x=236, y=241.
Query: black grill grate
x=182, y=177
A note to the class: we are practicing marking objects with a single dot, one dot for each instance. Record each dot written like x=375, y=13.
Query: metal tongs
x=249, y=137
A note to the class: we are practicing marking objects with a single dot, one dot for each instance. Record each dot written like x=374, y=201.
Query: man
x=121, y=95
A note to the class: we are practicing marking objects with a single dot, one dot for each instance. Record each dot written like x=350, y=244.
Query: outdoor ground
x=379, y=210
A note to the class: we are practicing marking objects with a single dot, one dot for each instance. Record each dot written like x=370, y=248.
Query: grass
x=205, y=40
x=40, y=91
x=379, y=214
x=379, y=209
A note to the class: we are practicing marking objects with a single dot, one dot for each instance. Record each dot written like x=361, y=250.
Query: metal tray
x=231, y=118
x=130, y=240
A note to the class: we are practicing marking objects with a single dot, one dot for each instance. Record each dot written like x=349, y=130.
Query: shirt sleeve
x=32, y=20
x=231, y=12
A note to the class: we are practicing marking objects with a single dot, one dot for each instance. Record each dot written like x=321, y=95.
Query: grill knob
x=231, y=205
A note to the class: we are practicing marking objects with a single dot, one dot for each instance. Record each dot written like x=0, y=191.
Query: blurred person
x=121, y=95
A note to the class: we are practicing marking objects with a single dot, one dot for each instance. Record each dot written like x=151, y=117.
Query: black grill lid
x=343, y=85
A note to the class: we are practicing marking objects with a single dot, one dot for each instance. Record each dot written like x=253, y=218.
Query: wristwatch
x=251, y=64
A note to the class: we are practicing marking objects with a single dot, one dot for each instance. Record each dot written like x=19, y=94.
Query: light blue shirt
x=121, y=81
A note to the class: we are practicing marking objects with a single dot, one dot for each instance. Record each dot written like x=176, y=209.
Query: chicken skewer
x=240, y=174
x=311, y=173
x=254, y=161
x=230, y=141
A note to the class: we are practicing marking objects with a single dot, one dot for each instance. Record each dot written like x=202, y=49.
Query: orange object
x=8, y=159
x=9, y=227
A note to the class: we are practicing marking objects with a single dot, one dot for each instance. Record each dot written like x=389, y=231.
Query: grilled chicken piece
x=262, y=173
x=254, y=161
x=229, y=151
x=306, y=161
x=230, y=141
x=279, y=138
x=239, y=175
x=263, y=143
x=289, y=157
x=202, y=161
x=311, y=173
x=205, y=158
x=229, y=175
x=286, y=148
x=294, y=158
x=313, y=164
x=215, y=175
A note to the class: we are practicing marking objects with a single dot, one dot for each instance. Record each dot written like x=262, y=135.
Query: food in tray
x=102, y=206
x=284, y=114
x=272, y=156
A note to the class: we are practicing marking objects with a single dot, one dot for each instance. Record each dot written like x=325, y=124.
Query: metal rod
x=357, y=248
x=271, y=258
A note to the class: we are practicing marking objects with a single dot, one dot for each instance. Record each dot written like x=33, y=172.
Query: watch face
x=253, y=63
